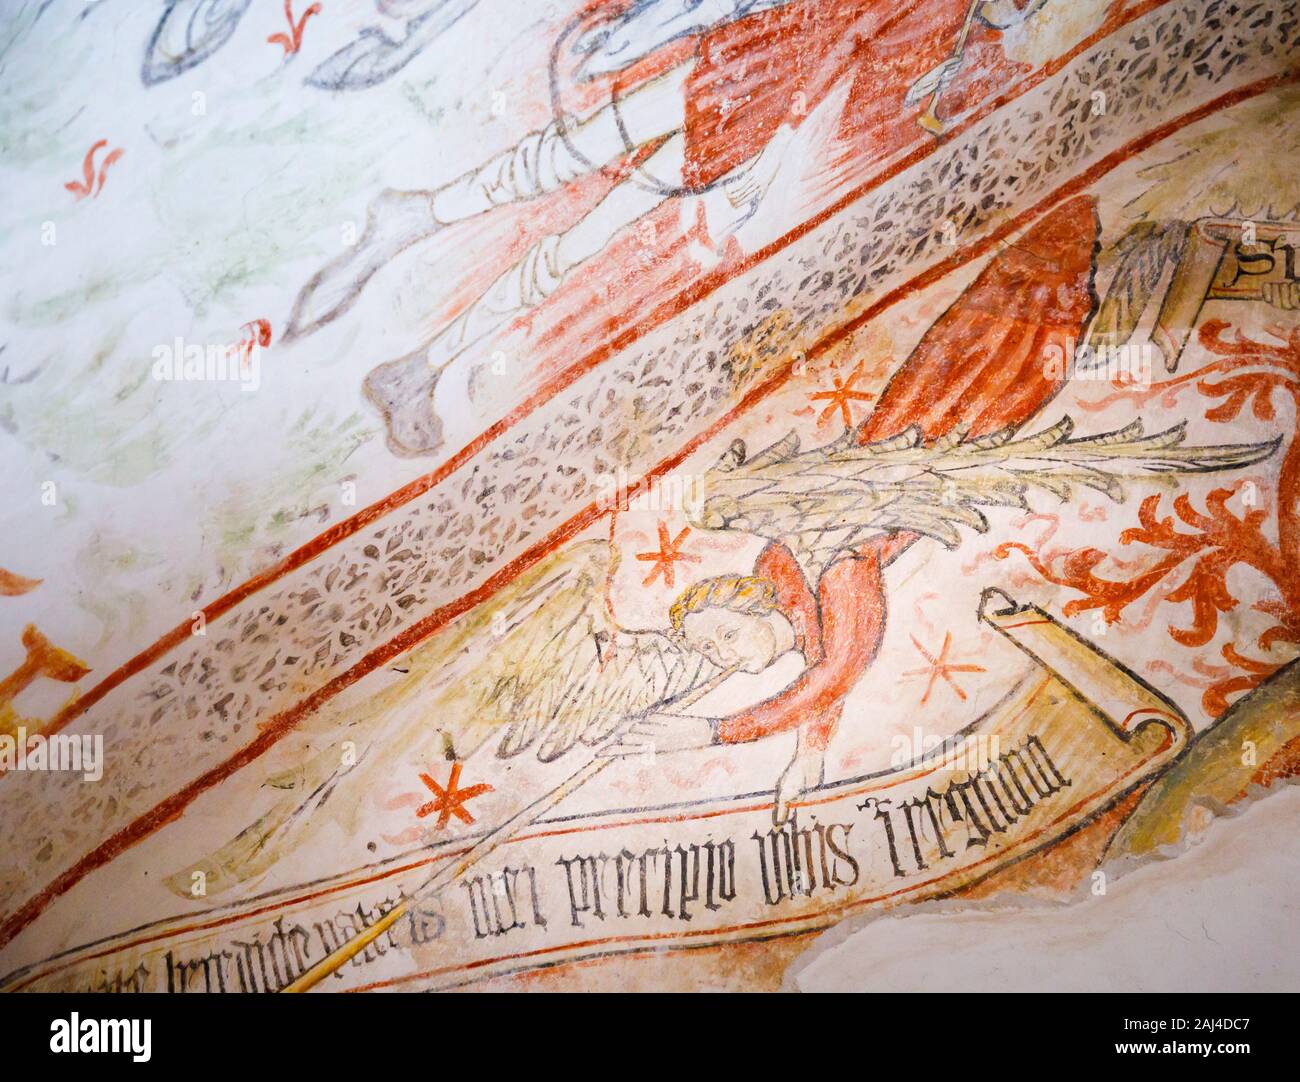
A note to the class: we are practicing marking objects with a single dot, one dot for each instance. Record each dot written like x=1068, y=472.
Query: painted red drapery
x=988, y=361
x=838, y=633
x=774, y=67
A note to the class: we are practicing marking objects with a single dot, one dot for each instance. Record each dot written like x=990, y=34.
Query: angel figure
x=945, y=440
x=838, y=516
x=714, y=125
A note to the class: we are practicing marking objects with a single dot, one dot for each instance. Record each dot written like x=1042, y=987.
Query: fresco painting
x=645, y=494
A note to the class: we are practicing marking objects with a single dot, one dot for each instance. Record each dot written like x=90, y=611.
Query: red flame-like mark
x=91, y=184
x=1246, y=373
x=256, y=332
x=292, y=41
x=12, y=585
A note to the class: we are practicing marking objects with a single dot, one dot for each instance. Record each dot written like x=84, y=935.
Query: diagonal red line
x=925, y=653
x=173, y=806
x=433, y=785
x=702, y=288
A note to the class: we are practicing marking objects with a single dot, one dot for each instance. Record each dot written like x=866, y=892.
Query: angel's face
x=734, y=639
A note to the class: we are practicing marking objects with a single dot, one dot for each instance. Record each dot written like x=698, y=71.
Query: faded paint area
x=732, y=496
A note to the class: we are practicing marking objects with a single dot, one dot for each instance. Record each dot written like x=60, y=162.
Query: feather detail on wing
x=1217, y=169
x=1141, y=256
x=1210, y=170
x=542, y=667
x=258, y=846
x=1001, y=470
x=561, y=670
x=831, y=499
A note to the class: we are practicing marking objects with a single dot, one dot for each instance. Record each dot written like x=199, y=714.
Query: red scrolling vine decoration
x=1204, y=545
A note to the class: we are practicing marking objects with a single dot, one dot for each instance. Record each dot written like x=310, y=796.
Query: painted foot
x=394, y=222
x=402, y=390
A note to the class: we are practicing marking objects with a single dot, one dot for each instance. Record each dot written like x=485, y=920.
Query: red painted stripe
x=171, y=808
x=701, y=288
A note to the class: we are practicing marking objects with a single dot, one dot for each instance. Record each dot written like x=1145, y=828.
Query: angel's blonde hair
x=747, y=594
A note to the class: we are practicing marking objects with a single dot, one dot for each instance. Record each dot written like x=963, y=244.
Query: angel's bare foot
x=806, y=771
x=394, y=222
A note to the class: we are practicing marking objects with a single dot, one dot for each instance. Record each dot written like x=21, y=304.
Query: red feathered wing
x=990, y=359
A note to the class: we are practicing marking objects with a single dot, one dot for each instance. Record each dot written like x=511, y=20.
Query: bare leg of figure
x=403, y=389
x=540, y=163
x=539, y=273
x=544, y=266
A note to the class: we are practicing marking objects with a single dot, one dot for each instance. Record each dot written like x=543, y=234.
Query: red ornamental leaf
x=1215, y=699
x=12, y=585
x=1275, y=634
x=1246, y=372
x=1206, y=589
x=1236, y=657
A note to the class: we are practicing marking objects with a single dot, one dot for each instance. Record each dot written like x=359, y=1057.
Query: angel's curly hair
x=747, y=594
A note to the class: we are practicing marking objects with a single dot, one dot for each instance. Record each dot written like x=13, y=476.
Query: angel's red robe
x=774, y=67
x=988, y=361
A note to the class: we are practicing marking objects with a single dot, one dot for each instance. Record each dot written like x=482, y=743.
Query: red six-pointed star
x=450, y=801
x=668, y=554
x=840, y=397
x=940, y=668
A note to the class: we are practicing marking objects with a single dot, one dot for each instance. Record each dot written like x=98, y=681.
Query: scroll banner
x=1074, y=734
x=1227, y=259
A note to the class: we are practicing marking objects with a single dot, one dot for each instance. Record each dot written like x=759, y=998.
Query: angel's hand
x=662, y=733
x=806, y=771
x=933, y=81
